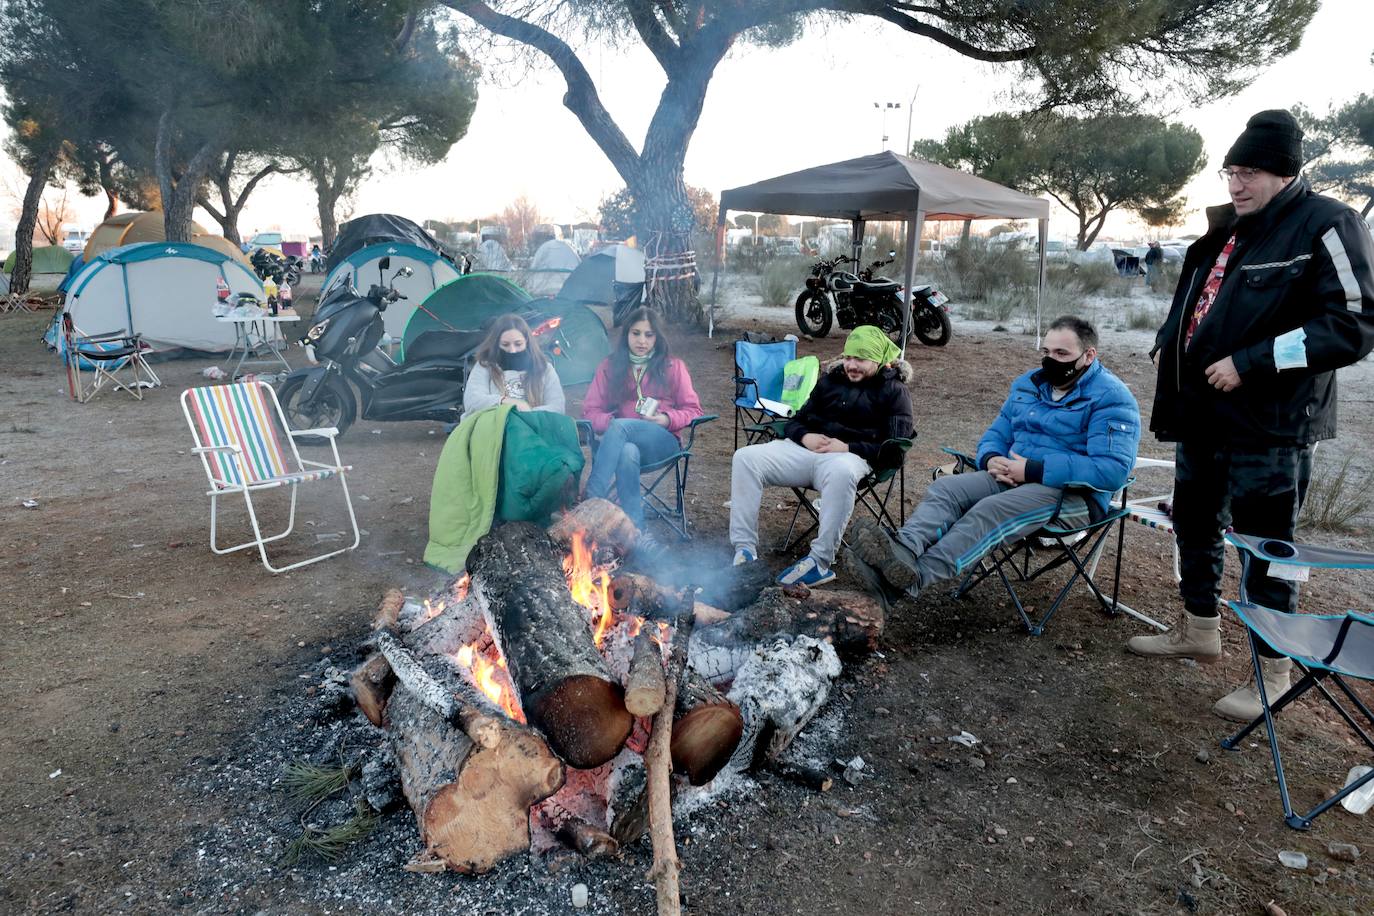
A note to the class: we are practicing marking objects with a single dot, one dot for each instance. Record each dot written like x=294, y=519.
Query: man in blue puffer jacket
x=1068, y=422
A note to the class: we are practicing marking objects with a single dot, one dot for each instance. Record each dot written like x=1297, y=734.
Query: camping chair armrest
x=1153, y=463
x=235, y=450
x=892, y=453
x=586, y=434
x=328, y=431
x=963, y=460
x=1290, y=553
x=121, y=334
x=742, y=383
x=692, y=429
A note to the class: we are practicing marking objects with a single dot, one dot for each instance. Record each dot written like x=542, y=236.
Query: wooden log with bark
x=372, y=683
x=471, y=802
x=563, y=684
x=706, y=729
x=659, y=787
x=644, y=685
x=446, y=692
x=601, y=522
x=645, y=596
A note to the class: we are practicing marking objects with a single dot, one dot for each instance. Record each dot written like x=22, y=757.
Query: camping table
x=256, y=335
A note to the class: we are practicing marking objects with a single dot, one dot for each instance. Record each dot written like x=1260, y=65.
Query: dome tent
x=552, y=264
x=363, y=243
x=612, y=277
x=132, y=227
x=163, y=291
x=49, y=259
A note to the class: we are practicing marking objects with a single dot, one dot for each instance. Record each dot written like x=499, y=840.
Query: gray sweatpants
x=784, y=463
x=963, y=516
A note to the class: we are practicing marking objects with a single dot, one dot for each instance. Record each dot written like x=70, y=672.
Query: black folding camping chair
x=1326, y=648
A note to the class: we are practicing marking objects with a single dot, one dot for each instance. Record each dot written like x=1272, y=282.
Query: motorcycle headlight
x=316, y=332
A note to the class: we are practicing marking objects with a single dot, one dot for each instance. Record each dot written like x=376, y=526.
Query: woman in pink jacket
x=640, y=399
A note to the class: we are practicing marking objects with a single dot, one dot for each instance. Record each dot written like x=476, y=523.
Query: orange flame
x=495, y=685
x=590, y=586
x=461, y=587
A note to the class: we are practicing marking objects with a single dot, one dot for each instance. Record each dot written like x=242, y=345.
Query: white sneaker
x=743, y=555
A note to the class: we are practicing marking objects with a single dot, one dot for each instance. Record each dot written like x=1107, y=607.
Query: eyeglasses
x=1244, y=176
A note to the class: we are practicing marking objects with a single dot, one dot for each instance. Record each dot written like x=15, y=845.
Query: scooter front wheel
x=332, y=405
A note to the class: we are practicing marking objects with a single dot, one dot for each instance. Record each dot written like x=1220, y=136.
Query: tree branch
x=899, y=17
x=655, y=38
x=581, y=98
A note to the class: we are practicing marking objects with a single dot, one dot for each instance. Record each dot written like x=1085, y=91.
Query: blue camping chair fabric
x=1078, y=545
x=1326, y=647
x=758, y=386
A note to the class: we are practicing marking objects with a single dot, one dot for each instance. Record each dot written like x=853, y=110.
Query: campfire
x=549, y=698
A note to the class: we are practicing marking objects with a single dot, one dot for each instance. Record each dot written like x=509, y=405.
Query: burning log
x=706, y=729
x=592, y=842
x=656, y=601
x=446, y=694
x=563, y=684
x=601, y=522
x=372, y=682
x=471, y=802
x=644, y=686
x=851, y=621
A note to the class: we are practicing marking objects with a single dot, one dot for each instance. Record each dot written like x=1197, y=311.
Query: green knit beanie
x=868, y=342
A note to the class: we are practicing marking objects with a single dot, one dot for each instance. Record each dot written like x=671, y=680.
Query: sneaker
x=873, y=582
x=743, y=555
x=806, y=571
x=871, y=543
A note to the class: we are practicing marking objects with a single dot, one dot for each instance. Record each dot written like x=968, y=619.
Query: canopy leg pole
x=715, y=275
x=913, y=246
x=1040, y=280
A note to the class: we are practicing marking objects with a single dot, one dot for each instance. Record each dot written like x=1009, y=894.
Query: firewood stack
x=496, y=699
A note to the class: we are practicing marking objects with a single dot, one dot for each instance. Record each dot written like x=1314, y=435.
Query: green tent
x=50, y=259
x=468, y=303
x=464, y=304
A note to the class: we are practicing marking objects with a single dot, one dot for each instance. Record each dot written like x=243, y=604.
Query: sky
x=769, y=112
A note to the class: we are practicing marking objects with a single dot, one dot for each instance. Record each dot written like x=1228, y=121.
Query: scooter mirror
x=384, y=263
x=892, y=254
x=404, y=272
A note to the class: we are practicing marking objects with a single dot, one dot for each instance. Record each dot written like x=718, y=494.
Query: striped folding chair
x=245, y=446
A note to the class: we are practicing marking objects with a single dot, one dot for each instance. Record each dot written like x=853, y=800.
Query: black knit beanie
x=1272, y=140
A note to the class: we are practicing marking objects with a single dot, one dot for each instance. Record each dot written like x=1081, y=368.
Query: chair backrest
x=763, y=363
x=245, y=416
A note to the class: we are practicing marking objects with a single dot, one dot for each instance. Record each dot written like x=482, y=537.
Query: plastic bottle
x=1362, y=799
x=284, y=294
x=269, y=288
x=221, y=290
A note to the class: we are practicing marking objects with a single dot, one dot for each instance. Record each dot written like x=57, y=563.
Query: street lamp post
x=910, y=110
x=885, y=107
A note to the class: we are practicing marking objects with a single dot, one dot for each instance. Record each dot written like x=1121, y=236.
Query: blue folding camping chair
x=758, y=386
x=1326, y=647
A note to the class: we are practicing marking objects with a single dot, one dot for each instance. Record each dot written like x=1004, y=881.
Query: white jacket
x=483, y=391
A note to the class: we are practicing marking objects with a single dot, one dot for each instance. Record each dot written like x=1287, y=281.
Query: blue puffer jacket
x=1088, y=437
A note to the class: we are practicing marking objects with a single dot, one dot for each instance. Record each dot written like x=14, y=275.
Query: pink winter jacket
x=675, y=395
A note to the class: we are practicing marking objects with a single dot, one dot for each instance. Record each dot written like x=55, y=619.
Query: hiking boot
x=1243, y=703
x=1196, y=638
x=806, y=571
x=873, y=582
x=871, y=543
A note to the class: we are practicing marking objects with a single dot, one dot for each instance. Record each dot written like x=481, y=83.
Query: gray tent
x=886, y=186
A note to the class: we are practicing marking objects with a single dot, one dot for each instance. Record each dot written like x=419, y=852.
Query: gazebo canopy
x=884, y=186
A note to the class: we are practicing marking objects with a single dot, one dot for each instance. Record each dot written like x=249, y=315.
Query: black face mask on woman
x=1061, y=374
x=519, y=361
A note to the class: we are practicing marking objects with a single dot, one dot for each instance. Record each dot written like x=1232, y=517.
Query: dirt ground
x=142, y=668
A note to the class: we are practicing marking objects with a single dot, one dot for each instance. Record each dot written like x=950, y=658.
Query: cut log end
x=585, y=719
x=372, y=683
x=703, y=741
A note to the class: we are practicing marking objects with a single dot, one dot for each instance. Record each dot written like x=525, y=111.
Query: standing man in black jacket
x=1276, y=297
x=831, y=444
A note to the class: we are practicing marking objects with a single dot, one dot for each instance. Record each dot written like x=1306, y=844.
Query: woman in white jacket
x=512, y=370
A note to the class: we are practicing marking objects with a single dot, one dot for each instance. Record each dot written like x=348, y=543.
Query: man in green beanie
x=831, y=444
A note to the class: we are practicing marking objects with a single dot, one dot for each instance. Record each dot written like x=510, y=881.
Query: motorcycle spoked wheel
x=931, y=325
x=813, y=314
x=333, y=405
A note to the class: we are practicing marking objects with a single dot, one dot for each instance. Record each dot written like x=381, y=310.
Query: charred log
x=591, y=841
x=471, y=802
x=644, y=685
x=706, y=730
x=372, y=682
x=564, y=686
x=601, y=522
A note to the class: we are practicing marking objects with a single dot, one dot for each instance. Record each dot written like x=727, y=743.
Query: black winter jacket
x=862, y=416
x=1295, y=304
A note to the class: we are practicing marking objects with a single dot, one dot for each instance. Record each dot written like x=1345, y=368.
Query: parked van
x=75, y=240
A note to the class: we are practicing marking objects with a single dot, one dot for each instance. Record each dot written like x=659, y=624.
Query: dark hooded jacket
x=1295, y=304
x=862, y=415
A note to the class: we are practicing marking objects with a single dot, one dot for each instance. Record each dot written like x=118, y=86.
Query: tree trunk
x=665, y=221
x=564, y=686
x=179, y=191
x=28, y=219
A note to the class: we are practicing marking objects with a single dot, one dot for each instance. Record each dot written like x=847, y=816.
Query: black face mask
x=1061, y=374
x=520, y=361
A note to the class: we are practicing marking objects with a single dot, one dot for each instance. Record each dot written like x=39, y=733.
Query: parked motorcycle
x=270, y=264
x=853, y=299
x=343, y=337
